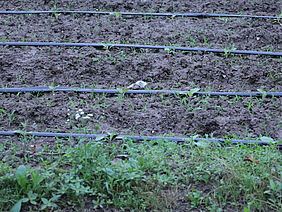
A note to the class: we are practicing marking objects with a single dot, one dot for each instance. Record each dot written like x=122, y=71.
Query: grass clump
x=151, y=175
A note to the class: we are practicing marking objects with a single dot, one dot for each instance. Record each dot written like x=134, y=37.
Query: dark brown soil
x=118, y=68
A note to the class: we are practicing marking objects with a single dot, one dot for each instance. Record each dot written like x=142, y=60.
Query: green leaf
x=167, y=50
x=43, y=207
x=246, y=209
x=19, y=132
x=45, y=201
x=25, y=200
x=263, y=92
x=267, y=139
x=203, y=144
x=267, y=192
x=31, y=195
x=100, y=138
x=17, y=207
x=192, y=91
x=108, y=171
x=21, y=176
x=272, y=185
x=33, y=202
x=54, y=198
x=95, y=59
x=36, y=179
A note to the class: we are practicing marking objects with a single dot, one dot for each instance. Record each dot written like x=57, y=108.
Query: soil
x=118, y=68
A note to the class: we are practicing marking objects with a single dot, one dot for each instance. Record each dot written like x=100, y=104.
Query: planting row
x=259, y=7
x=119, y=68
x=222, y=33
x=142, y=114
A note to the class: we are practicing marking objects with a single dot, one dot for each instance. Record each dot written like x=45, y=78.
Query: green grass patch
x=149, y=175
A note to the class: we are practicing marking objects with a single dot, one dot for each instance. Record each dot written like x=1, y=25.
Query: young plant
x=227, y=52
x=121, y=94
x=170, y=51
x=52, y=87
x=192, y=91
x=11, y=116
x=57, y=15
x=263, y=92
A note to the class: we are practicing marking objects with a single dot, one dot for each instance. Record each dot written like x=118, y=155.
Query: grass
x=77, y=174
x=156, y=175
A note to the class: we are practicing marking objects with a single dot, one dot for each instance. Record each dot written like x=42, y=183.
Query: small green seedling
x=57, y=15
x=106, y=46
x=192, y=91
x=167, y=50
x=263, y=93
x=52, y=87
x=121, y=93
x=170, y=51
x=228, y=51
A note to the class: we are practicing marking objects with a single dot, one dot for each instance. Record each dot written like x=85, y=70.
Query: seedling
x=225, y=20
x=117, y=14
x=192, y=40
x=121, y=93
x=92, y=90
x=11, y=116
x=170, y=51
x=192, y=91
x=57, y=15
x=52, y=87
x=167, y=50
x=228, y=52
x=263, y=92
x=250, y=105
x=277, y=20
x=107, y=47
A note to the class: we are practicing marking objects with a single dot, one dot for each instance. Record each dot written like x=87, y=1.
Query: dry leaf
x=250, y=158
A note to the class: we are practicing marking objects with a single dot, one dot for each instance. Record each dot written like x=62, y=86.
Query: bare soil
x=119, y=68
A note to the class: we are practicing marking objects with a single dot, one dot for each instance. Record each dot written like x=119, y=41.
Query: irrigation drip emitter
x=135, y=138
x=195, y=15
x=170, y=48
x=116, y=91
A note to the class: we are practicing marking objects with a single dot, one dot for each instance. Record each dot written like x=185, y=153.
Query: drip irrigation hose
x=109, y=45
x=115, y=91
x=136, y=138
x=196, y=15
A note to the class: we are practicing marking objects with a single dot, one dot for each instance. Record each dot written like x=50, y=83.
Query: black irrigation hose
x=115, y=91
x=136, y=138
x=196, y=15
x=109, y=45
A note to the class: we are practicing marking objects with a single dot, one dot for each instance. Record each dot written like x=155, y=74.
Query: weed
x=227, y=52
x=121, y=94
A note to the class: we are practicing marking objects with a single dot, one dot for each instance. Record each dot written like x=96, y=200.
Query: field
x=113, y=173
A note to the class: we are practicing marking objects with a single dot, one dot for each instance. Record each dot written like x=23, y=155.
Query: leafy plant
x=195, y=199
x=21, y=176
x=50, y=203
